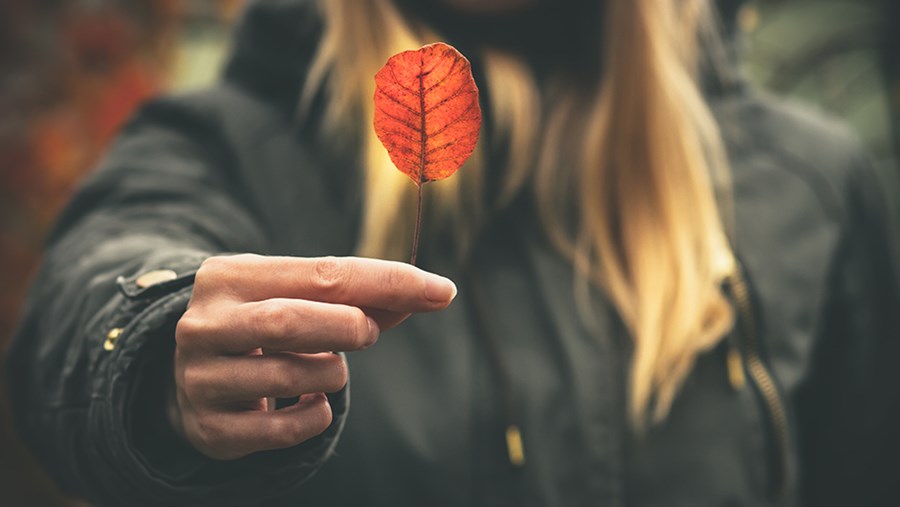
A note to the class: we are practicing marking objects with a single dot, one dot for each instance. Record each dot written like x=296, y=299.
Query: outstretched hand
x=299, y=311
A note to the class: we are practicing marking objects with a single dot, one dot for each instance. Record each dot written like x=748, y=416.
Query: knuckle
x=286, y=432
x=207, y=431
x=340, y=373
x=395, y=279
x=217, y=271
x=193, y=382
x=290, y=431
x=244, y=258
x=189, y=327
x=320, y=418
x=210, y=270
x=329, y=273
x=357, y=328
x=271, y=319
x=282, y=378
x=190, y=382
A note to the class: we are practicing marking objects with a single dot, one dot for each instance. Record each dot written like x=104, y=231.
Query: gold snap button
x=152, y=278
x=111, y=337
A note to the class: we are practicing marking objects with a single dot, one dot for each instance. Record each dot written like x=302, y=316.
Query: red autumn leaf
x=426, y=111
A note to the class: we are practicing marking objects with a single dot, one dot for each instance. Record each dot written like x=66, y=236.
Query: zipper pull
x=734, y=360
x=514, y=446
x=735, y=363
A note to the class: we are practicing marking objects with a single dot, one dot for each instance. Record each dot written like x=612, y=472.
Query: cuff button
x=157, y=277
x=111, y=337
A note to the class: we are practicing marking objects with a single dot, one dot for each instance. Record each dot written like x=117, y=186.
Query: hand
x=299, y=311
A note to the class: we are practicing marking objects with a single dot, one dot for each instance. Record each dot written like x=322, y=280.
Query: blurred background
x=71, y=71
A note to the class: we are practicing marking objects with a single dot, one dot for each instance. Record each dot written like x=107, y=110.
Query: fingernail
x=373, y=332
x=439, y=289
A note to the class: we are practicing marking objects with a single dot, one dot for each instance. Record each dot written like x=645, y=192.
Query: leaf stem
x=415, y=245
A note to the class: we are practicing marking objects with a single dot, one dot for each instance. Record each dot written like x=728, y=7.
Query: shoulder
x=273, y=47
x=253, y=153
x=787, y=139
x=217, y=120
x=211, y=106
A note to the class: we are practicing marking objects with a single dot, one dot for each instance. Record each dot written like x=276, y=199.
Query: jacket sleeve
x=88, y=362
x=849, y=410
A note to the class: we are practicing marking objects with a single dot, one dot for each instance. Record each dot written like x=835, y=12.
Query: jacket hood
x=273, y=46
x=276, y=40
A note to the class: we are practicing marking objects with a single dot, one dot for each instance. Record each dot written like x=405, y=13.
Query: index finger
x=371, y=283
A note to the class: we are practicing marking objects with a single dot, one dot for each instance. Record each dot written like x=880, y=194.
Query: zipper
x=760, y=376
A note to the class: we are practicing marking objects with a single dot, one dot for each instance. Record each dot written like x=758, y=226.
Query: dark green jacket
x=230, y=169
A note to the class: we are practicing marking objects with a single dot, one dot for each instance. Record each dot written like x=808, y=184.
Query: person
x=668, y=288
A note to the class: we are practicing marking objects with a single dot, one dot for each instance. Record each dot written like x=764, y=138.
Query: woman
x=669, y=289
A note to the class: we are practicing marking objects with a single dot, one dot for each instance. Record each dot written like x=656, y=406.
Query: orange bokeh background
x=71, y=73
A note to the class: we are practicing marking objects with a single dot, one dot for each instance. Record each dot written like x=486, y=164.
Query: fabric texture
x=230, y=169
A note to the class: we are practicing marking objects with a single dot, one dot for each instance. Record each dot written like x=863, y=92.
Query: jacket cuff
x=137, y=439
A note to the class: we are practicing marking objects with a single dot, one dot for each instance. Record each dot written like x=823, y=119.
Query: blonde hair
x=639, y=181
